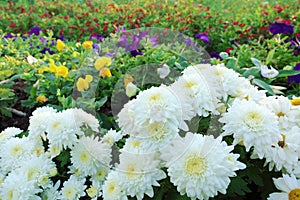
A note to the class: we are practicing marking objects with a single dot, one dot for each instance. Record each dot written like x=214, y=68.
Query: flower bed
x=164, y=101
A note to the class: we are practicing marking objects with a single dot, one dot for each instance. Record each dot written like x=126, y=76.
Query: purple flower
x=202, y=36
x=8, y=35
x=34, y=30
x=215, y=55
x=96, y=48
x=61, y=37
x=43, y=40
x=136, y=53
x=188, y=42
x=43, y=51
x=96, y=36
x=280, y=27
x=295, y=78
x=154, y=41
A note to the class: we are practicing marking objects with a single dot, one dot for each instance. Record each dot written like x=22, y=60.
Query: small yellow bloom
x=61, y=71
x=102, y=62
x=42, y=98
x=43, y=69
x=75, y=54
x=78, y=44
x=105, y=72
x=127, y=79
x=60, y=45
x=87, y=45
x=83, y=84
x=296, y=102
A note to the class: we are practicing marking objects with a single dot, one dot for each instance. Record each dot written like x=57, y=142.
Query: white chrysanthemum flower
x=112, y=189
x=200, y=166
x=54, y=150
x=252, y=124
x=290, y=187
x=157, y=105
x=138, y=173
x=112, y=136
x=252, y=93
x=126, y=119
x=63, y=130
x=285, y=154
x=85, y=119
x=236, y=86
x=37, y=168
x=17, y=186
x=8, y=133
x=94, y=191
x=296, y=170
x=89, y=154
x=199, y=89
x=51, y=192
x=39, y=120
x=73, y=189
x=155, y=136
x=282, y=107
x=13, y=151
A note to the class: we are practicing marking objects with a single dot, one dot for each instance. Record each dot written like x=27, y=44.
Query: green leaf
x=256, y=62
x=270, y=56
x=238, y=186
x=252, y=71
x=286, y=73
x=100, y=103
x=263, y=85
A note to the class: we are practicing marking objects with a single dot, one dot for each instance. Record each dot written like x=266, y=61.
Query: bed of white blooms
x=159, y=143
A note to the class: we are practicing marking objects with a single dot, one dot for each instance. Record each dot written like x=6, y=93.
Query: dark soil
x=16, y=120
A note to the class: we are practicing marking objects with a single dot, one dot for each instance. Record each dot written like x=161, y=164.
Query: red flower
x=105, y=28
x=12, y=25
x=278, y=8
x=235, y=23
x=242, y=25
x=297, y=34
x=228, y=50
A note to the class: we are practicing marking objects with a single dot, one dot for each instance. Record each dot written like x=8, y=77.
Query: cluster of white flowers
x=28, y=160
x=158, y=143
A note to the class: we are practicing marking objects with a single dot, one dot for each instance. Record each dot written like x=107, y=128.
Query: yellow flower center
x=10, y=195
x=69, y=193
x=157, y=131
x=253, y=118
x=190, y=84
x=16, y=150
x=154, y=97
x=55, y=125
x=280, y=114
x=84, y=157
x=136, y=144
x=111, y=188
x=195, y=165
x=282, y=143
x=294, y=194
x=131, y=171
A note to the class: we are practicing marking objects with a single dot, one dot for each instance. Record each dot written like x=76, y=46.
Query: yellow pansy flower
x=295, y=102
x=42, y=98
x=43, y=69
x=87, y=45
x=105, y=72
x=83, y=84
x=128, y=79
x=75, y=54
x=102, y=62
x=60, y=45
x=62, y=71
